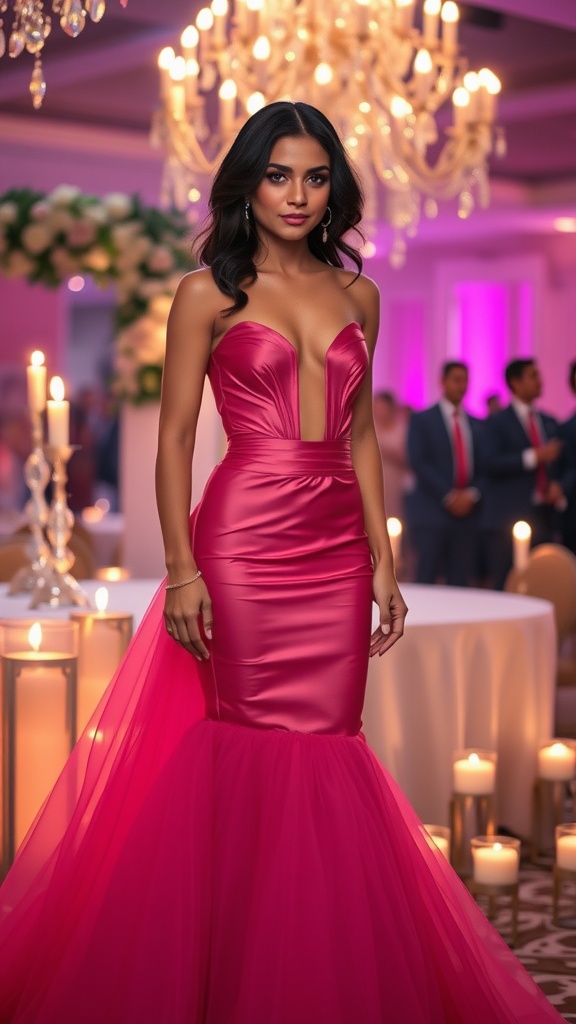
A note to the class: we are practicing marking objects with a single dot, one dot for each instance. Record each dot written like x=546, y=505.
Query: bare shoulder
x=200, y=289
x=364, y=289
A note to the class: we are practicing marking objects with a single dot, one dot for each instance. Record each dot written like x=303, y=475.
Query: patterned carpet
x=547, y=952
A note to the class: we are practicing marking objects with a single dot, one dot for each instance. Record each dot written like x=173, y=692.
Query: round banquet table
x=474, y=668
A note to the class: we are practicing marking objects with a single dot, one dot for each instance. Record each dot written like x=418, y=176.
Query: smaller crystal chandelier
x=32, y=24
x=379, y=79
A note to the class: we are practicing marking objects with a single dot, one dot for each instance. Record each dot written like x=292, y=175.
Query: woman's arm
x=188, y=343
x=368, y=467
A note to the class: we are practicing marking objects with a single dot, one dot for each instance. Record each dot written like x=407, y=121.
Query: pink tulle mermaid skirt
x=223, y=847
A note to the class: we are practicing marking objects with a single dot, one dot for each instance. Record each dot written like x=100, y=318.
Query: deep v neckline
x=295, y=360
x=265, y=327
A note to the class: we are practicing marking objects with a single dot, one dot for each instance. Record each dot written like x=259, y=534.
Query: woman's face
x=292, y=197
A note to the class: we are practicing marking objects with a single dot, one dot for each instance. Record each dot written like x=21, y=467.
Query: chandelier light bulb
x=450, y=12
x=192, y=68
x=364, y=107
x=399, y=107
x=228, y=90
x=432, y=6
x=323, y=74
x=471, y=81
x=219, y=8
x=204, y=19
x=254, y=5
x=166, y=58
x=178, y=69
x=261, y=49
x=255, y=102
x=423, y=62
x=189, y=37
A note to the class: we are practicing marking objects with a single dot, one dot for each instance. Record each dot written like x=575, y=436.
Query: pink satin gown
x=223, y=847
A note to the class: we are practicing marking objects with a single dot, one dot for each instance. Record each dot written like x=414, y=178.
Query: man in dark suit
x=442, y=510
x=521, y=460
x=567, y=432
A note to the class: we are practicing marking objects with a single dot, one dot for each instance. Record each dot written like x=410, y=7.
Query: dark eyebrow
x=311, y=170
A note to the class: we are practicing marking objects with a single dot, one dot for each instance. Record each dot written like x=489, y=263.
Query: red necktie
x=461, y=475
x=536, y=441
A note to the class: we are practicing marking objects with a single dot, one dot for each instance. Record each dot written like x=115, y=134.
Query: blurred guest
x=493, y=404
x=521, y=458
x=443, y=508
x=391, y=424
x=567, y=432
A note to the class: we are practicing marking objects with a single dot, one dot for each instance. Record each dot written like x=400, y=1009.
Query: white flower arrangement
x=117, y=240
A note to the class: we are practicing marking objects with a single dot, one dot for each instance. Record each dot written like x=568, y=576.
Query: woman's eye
x=275, y=176
x=317, y=179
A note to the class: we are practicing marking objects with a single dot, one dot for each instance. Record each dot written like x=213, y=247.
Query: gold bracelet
x=176, y=586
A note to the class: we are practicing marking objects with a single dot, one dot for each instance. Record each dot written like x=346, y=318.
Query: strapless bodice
x=254, y=375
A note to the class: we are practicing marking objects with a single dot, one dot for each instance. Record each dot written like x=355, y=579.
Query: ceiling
x=107, y=79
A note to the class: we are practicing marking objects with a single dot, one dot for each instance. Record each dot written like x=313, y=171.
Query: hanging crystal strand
x=96, y=9
x=73, y=18
x=37, y=85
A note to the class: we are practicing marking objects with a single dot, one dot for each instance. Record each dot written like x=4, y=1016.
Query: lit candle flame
x=394, y=526
x=37, y=358
x=474, y=759
x=521, y=530
x=57, y=389
x=101, y=599
x=498, y=846
x=35, y=636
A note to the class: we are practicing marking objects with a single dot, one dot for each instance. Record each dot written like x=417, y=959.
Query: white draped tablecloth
x=475, y=668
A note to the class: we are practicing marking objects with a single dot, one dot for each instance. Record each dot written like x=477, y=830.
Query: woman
x=241, y=858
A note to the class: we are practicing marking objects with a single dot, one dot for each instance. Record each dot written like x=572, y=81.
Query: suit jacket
x=509, y=486
x=431, y=458
x=567, y=431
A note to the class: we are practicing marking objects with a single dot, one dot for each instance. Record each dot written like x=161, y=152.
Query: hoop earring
x=326, y=225
x=247, y=210
x=247, y=223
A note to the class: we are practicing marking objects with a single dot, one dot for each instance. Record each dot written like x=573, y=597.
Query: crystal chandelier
x=32, y=24
x=379, y=79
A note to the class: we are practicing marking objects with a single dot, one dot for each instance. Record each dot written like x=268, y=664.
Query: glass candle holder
x=438, y=837
x=112, y=574
x=496, y=865
x=564, y=868
x=557, y=760
x=474, y=771
x=104, y=638
x=39, y=683
x=496, y=860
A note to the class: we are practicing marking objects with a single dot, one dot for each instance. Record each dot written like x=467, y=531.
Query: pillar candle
x=521, y=538
x=495, y=864
x=474, y=775
x=566, y=852
x=557, y=762
x=58, y=415
x=36, y=380
x=104, y=637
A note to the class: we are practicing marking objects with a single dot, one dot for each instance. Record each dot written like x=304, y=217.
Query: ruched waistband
x=286, y=457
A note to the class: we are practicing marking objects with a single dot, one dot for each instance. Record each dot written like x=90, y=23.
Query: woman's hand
x=393, y=611
x=182, y=609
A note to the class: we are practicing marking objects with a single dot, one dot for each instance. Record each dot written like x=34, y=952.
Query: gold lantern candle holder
x=438, y=838
x=564, y=871
x=552, y=796
x=495, y=870
x=39, y=681
x=473, y=804
x=104, y=638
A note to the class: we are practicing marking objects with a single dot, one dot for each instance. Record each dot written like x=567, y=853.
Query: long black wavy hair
x=225, y=245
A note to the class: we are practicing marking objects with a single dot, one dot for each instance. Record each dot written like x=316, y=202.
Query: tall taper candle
x=58, y=415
